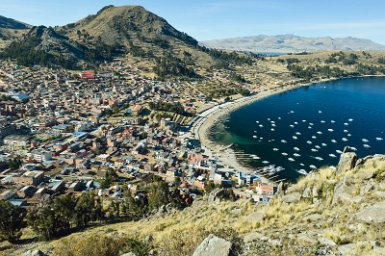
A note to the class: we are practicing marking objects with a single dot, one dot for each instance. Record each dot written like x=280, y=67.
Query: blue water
x=353, y=109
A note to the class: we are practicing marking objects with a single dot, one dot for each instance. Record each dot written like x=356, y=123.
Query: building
x=16, y=140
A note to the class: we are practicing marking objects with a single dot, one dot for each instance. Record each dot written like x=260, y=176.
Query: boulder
x=372, y=214
x=34, y=253
x=256, y=216
x=213, y=246
x=215, y=195
x=347, y=162
x=307, y=192
x=129, y=254
x=292, y=197
x=343, y=191
x=326, y=242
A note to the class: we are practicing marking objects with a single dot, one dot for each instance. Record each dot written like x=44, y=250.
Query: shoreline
x=224, y=155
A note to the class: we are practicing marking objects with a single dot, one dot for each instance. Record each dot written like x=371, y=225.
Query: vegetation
x=11, y=221
x=172, y=66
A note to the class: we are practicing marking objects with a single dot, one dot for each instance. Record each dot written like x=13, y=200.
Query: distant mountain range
x=292, y=43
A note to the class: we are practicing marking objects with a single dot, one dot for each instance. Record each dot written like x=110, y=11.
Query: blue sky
x=211, y=19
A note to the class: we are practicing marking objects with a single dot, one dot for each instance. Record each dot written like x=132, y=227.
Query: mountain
x=292, y=43
x=130, y=33
x=11, y=30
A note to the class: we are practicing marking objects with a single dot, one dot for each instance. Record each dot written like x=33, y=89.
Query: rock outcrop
x=213, y=246
x=372, y=214
x=347, y=162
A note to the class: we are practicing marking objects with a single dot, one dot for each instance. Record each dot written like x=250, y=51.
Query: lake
x=296, y=131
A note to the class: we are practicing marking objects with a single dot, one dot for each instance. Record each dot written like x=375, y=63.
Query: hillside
x=292, y=43
x=332, y=211
x=11, y=30
x=128, y=33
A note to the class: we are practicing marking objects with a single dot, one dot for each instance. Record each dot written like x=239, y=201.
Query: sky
x=215, y=19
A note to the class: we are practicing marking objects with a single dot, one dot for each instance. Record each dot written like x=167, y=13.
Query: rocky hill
x=293, y=44
x=332, y=211
x=130, y=33
x=11, y=30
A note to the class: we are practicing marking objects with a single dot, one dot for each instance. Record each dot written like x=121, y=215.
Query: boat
x=302, y=171
x=366, y=146
x=314, y=137
x=332, y=121
x=317, y=147
x=279, y=118
x=255, y=136
x=323, y=121
x=324, y=144
x=346, y=131
x=296, y=149
x=332, y=155
x=309, y=142
x=309, y=127
x=311, y=124
x=257, y=122
x=272, y=129
x=265, y=162
x=298, y=133
x=284, y=154
x=261, y=125
x=319, y=158
x=379, y=139
x=313, y=166
x=295, y=123
x=302, y=164
x=365, y=140
x=339, y=151
x=295, y=138
x=330, y=130
x=283, y=141
x=346, y=124
x=344, y=139
x=350, y=119
x=303, y=121
x=273, y=125
x=291, y=159
x=333, y=141
x=292, y=126
x=314, y=150
x=296, y=155
x=275, y=149
x=319, y=132
x=319, y=111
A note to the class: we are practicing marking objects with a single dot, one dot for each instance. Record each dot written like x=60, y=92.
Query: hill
x=11, y=30
x=12, y=24
x=332, y=211
x=128, y=33
x=292, y=43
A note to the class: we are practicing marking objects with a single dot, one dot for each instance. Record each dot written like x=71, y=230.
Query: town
x=63, y=132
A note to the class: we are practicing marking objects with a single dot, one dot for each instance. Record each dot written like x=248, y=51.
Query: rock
x=314, y=217
x=129, y=254
x=215, y=195
x=366, y=188
x=256, y=216
x=280, y=190
x=326, y=242
x=366, y=174
x=343, y=191
x=254, y=236
x=213, y=246
x=316, y=192
x=292, y=197
x=149, y=239
x=307, y=193
x=306, y=239
x=347, y=249
x=34, y=253
x=372, y=214
x=275, y=242
x=347, y=162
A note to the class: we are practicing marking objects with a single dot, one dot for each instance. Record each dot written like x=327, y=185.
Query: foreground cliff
x=334, y=211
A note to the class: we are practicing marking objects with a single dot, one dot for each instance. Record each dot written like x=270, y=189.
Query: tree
x=159, y=194
x=134, y=210
x=85, y=210
x=43, y=221
x=64, y=208
x=11, y=221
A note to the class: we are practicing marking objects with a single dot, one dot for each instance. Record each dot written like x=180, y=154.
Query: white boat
x=298, y=133
x=344, y=139
x=303, y=121
x=319, y=158
x=296, y=155
x=302, y=171
x=330, y=130
x=296, y=149
x=366, y=146
x=256, y=157
x=332, y=121
x=313, y=166
x=346, y=124
x=346, y=131
x=268, y=119
x=339, y=151
x=350, y=119
x=314, y=137
x=319, y=132
x=309, y=127
x=257, y=122
x=275, y=149
x=332, y=155
x=379, y=139
x=272, y=129
x=295, y=123
x=302, y=164
x=261, y=125
x=309, y=142
x=317, y=147
x=314, y=150
x=319, y=111
x=311, y=124
x=283, y=141
x=353, y=148
x=273, y=125
x=284, y=154
x=255, y=136
x=323, y=121
x=292, y=112
x=295, y=138
x=279, y=118
x=291, y=159
x=333, y=141
x=265, y=162
x=292, y=126
x=365, y=140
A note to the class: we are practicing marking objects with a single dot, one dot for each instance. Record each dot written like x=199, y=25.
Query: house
x=16, y=140
x=29, y=178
